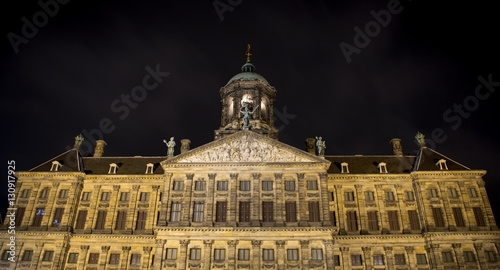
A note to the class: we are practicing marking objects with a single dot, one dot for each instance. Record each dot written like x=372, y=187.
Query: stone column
x=60, y=253
x=92, y=210
x=153, y=207
x=165, y=203
x=404, y=220
x=346, y=261
x=124, y=257
x=159, y=253
x=82, y=258
x=256, y=254
x=146, y=257
x=435, y=259
x=132, y=210
x=37, y=254
x=340, y=208
x=481, y=258
x=279, y=218
x=367, y=257
x=328, y=257
x=446, y=206
x=182, y=256
x=410, y=254
x=30, y=212
x=186, y=200
x=302, y=206
x=103, y=260
x=490, y=220
x=457, y=249
x=47, y=220
x=232, y=204
x=231, y=254
x=255, y=211
x=280, y=252
x=306, y=254
x=207, y=254
x=323, y=185
x=380, y=199
x=71, y=208
x=389, y=255
x=212, y=183
x=360, y=202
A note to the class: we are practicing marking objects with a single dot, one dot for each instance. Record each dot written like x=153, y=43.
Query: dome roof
x=247, y=74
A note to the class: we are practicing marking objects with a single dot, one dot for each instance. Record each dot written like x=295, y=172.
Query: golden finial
x=248, y=53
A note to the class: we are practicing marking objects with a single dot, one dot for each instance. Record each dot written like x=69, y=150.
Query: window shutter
x=414, y=222
x=438, y=217
x=478, y=214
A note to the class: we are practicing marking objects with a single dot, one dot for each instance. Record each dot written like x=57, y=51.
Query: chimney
x=311, y=146
x=99, y=148
x=185, y=145
x=78, y=141
x=396, y=146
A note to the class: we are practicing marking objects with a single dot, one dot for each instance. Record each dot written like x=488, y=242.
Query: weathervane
x=248, y=53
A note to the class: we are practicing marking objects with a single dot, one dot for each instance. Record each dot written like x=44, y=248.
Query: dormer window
x=55, y=166
x=382, y=167
x=113, y=168
x=442, y=165
x=345, y=167
x=149, y=168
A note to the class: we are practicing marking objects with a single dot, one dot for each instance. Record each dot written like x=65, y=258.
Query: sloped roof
x=70, y=161
x=427, y=159
x=368, y=164
x=126, y=165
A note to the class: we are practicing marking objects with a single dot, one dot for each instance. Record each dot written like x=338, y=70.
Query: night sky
x=432, y=67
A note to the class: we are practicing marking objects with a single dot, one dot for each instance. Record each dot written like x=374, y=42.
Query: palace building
x=248, y=201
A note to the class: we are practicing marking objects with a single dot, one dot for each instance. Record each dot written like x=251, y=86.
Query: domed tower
x=247, y=103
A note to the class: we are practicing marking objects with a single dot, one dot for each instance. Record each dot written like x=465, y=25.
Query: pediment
x=246, y=147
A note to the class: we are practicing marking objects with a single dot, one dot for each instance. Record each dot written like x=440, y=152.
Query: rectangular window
x=105, y=196
x=393, y=220
x=121, y=219
x=268, y=254
x=290, y=185
x=292, y=254
x=86, y=196
x=409, y=196
x=47, y=256
x=220, y=211
x=27, y=255
x=219, y=254
x=244, y=185
x=472, y=192
x=452, y=193
x=352, y=221
x=378, y=259
x=312, y=185
x=63, y=194
x=243, y=254
x=331, y=196
x=178, y=185
x=73, y=258
x=333, y=218
x=356, y=260
x=314, y=211
x=267, y=185
x=195, y=254
x=317, y=254
x=124, y=196
x=199, y=185
x=141, y=220
x=267, y=211
x=244, y=211
x=433, y=193
x=478, y=214
x=291, y=211
x=222, y=185
x=447, y=257
x=144, y=197
x=369, y=196
x=372, y=220
x=459, y=218
x=198, y=211
x=437, y=214
x=399, y=259
x=101, y=220
x=56, y=221
x=389, y=196
x=135, y=259
x=490, y=256
x=20, y=215
x=414, y=221
x=40, y=212
x=469, y=256
x=175, y=213
x=171, y=254
x=93, y=258
x=421, y=259
x=81, y=219
x=349, y=196
x=44, y=194
x=25, y=193
x=114, y=258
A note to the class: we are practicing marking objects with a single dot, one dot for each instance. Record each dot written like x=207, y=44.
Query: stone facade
x=248, y=201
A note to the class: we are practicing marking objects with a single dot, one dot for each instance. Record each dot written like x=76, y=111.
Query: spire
x=248, y=67
x=248, y=53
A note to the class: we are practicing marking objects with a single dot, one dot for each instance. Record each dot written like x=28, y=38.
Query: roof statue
x=246, y=117
x=321, y=146
x=420, y=139
x=170, y=144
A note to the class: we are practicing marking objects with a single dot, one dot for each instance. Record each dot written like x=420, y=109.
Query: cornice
x=49, y=175
x=244, y=229
x=369, y=176
x=431, y=174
